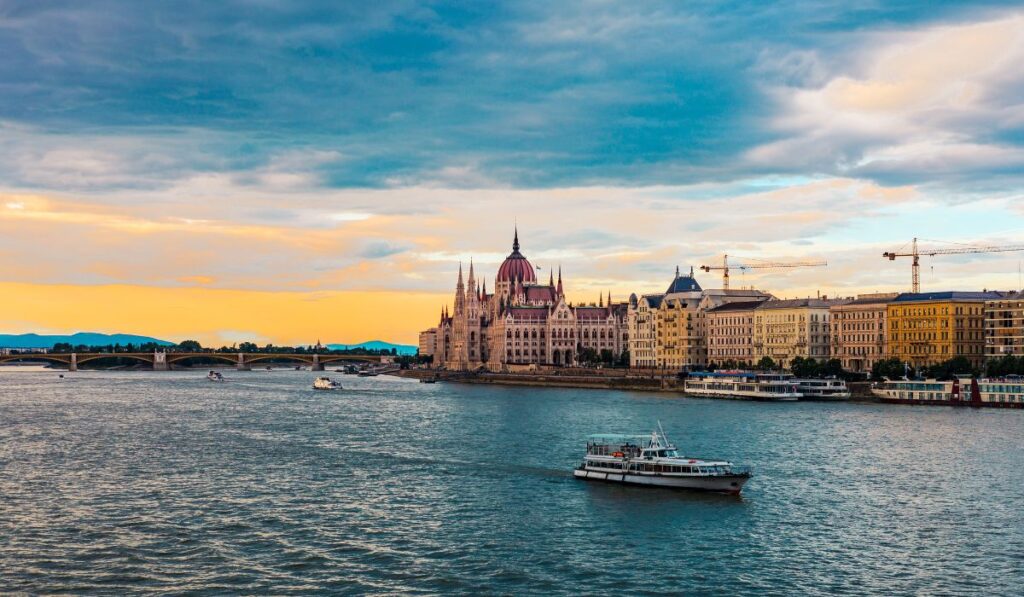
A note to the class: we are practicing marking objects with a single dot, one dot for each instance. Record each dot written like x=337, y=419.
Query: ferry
x=743, y=385
x=993, y=392
x=651, y=460
x=326, y=383
x=214, y=376
x=823, y=389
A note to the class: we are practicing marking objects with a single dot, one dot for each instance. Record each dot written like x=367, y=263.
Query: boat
x=653, y=461
x=828, y=388
x=214, y=376
x=428, y=380
x=742, y=385
x=368, y=374
x=326, y=383
x=992, y=392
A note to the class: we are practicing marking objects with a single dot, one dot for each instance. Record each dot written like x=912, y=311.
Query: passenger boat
x=368, y=374
x=994, y=392
x=823, y=389
x=214, y=376
x=742, y=385
x=326, y=383
x=651, y=460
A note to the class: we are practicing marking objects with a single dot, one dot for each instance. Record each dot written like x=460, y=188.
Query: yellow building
x=932, y=327
x=786, y=329
x=1004, y=326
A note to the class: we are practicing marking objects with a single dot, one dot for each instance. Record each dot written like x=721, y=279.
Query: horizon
x=287, y=172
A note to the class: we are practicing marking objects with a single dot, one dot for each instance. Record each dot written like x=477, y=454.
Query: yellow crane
x=916, y=252
x=760, y=265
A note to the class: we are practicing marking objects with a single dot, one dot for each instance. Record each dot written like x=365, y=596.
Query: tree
x=189, y=346
x=832, y=368
x=607, y=357
x=62, y=347
x=766, y=364
x=802, y=367
x=891, y=368
x=948, y=369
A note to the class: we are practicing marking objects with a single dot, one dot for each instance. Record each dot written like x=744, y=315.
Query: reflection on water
x=137, y=481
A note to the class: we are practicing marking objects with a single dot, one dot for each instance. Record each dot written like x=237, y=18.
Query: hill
x=86, y=338
x=402, y=349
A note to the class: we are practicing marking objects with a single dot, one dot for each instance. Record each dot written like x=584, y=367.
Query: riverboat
x=993, y=392
x=823, y=389
x=214, y=376
x=326, y=383
x=653, y=461
x=742, y=385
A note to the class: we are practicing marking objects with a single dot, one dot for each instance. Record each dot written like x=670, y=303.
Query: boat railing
x=740, y=469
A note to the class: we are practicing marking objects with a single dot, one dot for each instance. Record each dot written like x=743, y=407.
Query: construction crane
x=760, y=265
x=916, y=252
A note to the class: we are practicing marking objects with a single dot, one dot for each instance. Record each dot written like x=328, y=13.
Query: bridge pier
x=242, y=365
x=317, y=365
x=160, y=361
x=73, y=363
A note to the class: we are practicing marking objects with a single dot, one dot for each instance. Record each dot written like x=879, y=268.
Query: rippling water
x=165, y=482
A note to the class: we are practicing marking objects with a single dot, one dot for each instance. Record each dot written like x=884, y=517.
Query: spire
x=551, y=278
x=471, y=281
x=691, y=271
x=609, y=298
x=515, y=240
x=600, y=300
x=677, y=271
x=484, y=295
x=460, y=284
x=559, y=289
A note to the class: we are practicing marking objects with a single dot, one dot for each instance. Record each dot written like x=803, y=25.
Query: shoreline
x=670, y=384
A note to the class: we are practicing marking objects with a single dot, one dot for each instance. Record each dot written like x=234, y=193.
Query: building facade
x=524, y=323
x=1004, y=326
x=932, y=327
x=786, y=329
x=428, y=342
x=643, y=330
x=730, y=330
x=859, y=331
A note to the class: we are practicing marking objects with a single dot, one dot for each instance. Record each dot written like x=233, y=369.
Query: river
x=139, y=482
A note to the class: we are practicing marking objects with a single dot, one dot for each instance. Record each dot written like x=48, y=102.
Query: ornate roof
x=516, y=267
x=683, y=284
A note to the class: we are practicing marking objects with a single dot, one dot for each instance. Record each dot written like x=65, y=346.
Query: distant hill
x=86, y=338
x=403, y=349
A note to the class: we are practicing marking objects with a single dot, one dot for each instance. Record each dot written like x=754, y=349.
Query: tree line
x=195, y=346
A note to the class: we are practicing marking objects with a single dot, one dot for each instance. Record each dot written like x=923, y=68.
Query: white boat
x=651, y=460
x=742, y=385
x=214, y=376
x=325, y=383
x=823, y=389
x=997, y=392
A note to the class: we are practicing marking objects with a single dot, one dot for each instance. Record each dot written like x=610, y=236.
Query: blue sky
x=395, y=138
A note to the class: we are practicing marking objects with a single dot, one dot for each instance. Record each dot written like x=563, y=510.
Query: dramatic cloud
x=322, y=147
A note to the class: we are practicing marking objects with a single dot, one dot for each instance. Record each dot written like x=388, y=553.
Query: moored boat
x=653, y=461
x=742, y=385
x=326, y=383
x=994, y=392
x=828, y=388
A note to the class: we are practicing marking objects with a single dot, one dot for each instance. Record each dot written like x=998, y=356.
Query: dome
x=516, y=267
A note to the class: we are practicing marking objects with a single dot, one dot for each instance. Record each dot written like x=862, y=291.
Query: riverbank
x=577, y=379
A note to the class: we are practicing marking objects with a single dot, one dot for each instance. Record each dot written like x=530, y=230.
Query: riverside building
x=523, y=324
x=1004, y=326
x=730, y=330
x=926, y=328
x=643, y=330
x=786, y=329
x=859, y=332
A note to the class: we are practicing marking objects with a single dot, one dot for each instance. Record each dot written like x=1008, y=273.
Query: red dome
x=516, y=267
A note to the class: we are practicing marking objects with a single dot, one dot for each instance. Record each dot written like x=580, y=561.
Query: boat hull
x=731, y=484
x=741, y=395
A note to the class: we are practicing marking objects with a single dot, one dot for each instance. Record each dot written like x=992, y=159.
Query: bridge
x=162, y=361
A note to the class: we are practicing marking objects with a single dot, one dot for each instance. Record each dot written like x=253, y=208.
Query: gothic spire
x=515, y=240
x=460, y=284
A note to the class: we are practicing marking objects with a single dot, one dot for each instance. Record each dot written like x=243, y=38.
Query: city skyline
x=337, y=164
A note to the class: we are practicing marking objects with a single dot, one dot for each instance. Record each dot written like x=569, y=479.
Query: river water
x=139, y=482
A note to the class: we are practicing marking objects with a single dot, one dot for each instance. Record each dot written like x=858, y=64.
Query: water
x=164, y=482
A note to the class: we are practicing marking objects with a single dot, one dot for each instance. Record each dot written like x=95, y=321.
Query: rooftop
x=949, y=295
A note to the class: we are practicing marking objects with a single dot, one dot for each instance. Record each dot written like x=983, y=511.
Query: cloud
x=917, y=106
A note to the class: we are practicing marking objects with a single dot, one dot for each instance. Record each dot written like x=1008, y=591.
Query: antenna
x=663, y=436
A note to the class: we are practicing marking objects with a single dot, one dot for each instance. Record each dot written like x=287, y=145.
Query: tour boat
x=995, y=392
x=325, y=383
x=652, y=460
x=214, y=376
x=823, y=389
x=742, y=385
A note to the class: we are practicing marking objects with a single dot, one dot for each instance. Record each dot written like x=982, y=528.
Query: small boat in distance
x=326, y=383
x=214, y=376
x=742, y=385
x=368, y=373
x=653, y=460
x=823, y=389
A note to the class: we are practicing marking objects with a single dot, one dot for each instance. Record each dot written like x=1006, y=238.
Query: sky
x=284, y=171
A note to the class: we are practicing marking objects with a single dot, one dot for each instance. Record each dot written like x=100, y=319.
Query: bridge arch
x=85, y=358
x=35, y=356
x=174, y=357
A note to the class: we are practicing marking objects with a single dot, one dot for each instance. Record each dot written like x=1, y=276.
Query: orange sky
x=218, y=317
